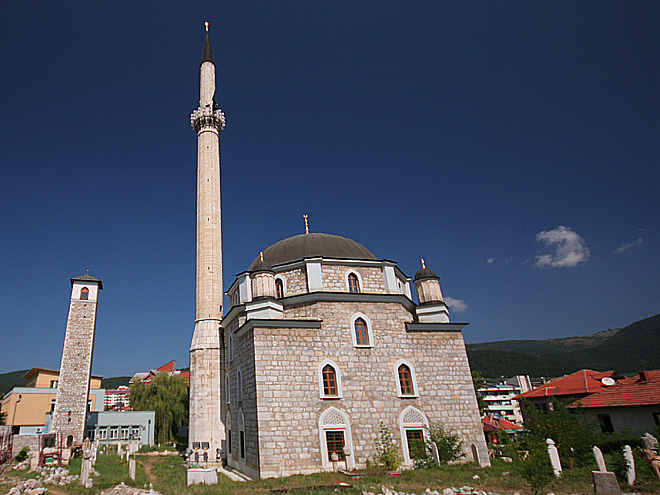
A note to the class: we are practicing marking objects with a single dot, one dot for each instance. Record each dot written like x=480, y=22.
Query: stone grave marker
x=86, y=467
x=600, y=460
x=475, y=454
x=605, y=483
x=131, y=467
x=630, y=460
x=554, y=457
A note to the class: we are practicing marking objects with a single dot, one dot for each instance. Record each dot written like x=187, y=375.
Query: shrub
x=387, y=453
x=22, y=455
x=535, y=468
x=448, y=443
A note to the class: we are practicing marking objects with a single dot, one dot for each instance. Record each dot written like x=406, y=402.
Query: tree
x=387, y=454
x=168, y=396
x=479, y=381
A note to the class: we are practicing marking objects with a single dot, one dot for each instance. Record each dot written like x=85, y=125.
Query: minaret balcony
x=207, y=117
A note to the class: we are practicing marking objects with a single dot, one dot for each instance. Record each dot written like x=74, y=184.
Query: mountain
x=627, y=350
x=11, y=380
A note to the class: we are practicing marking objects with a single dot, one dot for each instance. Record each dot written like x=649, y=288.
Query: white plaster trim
x=424, y=426
x=348, y=439
x=370, y=332
x=359, y=277
x=227, y=440
x=412, y=376
x=241, y=429
x=314, y=276
x=340, y=390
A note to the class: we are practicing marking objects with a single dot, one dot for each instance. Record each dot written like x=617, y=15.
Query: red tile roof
x=580, y=382
x=642, y=390
x=491, y=423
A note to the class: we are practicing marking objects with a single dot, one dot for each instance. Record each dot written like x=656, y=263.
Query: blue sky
x=514, y=146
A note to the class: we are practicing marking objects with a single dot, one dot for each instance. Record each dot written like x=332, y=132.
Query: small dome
x=425, y=273
x=261, y=266
x=314, y=245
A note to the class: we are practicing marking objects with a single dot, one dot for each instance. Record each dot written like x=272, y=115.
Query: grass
x=168, y=475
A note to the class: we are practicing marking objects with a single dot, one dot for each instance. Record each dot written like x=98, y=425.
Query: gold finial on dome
x=306, y=225
x=206, y=25
x=423, y=263
x=261, y=255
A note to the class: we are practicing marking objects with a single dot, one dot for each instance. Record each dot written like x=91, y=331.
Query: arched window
x=414, y=427
x=335, y=438
x=361, y=332
x=279, y=288
x=230, y=345
x=241, y=434
x=239, y=386
x=227, y=389
x=406, y=383
x=84, y=293
x=329, y=381
x=405, y=380
x=353, y=283
x=329, y=378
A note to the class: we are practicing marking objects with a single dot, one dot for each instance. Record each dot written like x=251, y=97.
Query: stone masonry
x=70, y=413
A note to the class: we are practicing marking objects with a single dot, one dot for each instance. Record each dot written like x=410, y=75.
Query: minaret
x=205, y=423
x=70, y=415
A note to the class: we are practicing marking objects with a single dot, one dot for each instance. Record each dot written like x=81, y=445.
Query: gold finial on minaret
x=306, y=225
x=261, y=255
x=423, y=263
x=206, y=25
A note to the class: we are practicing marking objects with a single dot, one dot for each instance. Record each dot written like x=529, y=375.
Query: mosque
x=320, y=343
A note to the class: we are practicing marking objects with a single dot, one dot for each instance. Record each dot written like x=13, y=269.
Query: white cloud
x=490, y=261
x=568, y=248
x=457, y=305
x=628, y=245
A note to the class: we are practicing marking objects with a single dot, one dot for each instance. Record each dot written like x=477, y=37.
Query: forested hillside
x=627, y=350
x=11, y=380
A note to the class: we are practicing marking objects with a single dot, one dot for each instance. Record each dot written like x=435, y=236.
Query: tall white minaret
x=205, y=423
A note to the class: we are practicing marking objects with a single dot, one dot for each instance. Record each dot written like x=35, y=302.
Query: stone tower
x=70, y=413
x=205, y=423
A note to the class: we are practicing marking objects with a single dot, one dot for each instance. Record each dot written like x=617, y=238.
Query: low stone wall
x=31, y=441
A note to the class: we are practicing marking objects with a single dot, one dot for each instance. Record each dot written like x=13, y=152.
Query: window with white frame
x=354, y=282
x=413, y=427
x=227, y=389
x=230, y=345
x=361, y=331
x=335, y=438
x=135, y=432
x=406, y=382
x=124, y=433
x=114, y=433
x=241, y=434
x=329, y=378
x=280, y=287
x=103, y=433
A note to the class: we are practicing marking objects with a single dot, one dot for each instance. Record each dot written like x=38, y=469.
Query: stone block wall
x=70, y=412
x=296, y=281
x=286, y=392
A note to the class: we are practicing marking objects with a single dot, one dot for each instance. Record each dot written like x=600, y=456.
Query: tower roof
x=87, y=278
x=208, y=54
x=314, y=245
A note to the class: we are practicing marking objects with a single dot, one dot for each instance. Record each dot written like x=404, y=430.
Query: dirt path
x=147, y=463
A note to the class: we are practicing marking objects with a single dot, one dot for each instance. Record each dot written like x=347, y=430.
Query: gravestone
x=630, y=461
x=605, y=483
x=650, y=442
x=120, y=452
x=131, y=468
x=600, y=460
x=554, y=457
x=475, y=454
x=86, y=467
x=434, y=453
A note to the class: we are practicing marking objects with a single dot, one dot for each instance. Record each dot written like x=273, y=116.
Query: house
x=570, y=388
x=118, y=400
x=495, y=427
x=631, y=404
x=27, y=407
x=147, y=376
x=501, y=398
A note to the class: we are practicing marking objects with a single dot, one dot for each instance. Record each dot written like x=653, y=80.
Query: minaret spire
x=205, y=423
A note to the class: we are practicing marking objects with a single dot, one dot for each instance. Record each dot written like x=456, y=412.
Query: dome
x=425, y=273
x=261, y=266
x=314, y=245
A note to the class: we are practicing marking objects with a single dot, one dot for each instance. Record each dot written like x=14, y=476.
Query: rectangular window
x=241, y=444
x=53, y=383
x=135, y=432
x=124, y=433
x=114, y=433
x=335, y=443
x=90, y=434
x=416, y=447
x=605, y=423
x=52, y=405
x=229, y=441
x=103, y=434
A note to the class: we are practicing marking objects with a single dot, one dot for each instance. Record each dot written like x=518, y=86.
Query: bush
x=387, y=453
x=611, y=443
x=535, y=468
x=22, y=455
x=448, y=443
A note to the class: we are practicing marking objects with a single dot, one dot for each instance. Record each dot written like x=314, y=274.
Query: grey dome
x=314, y=245
x=261, y=266
x=425, y=273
